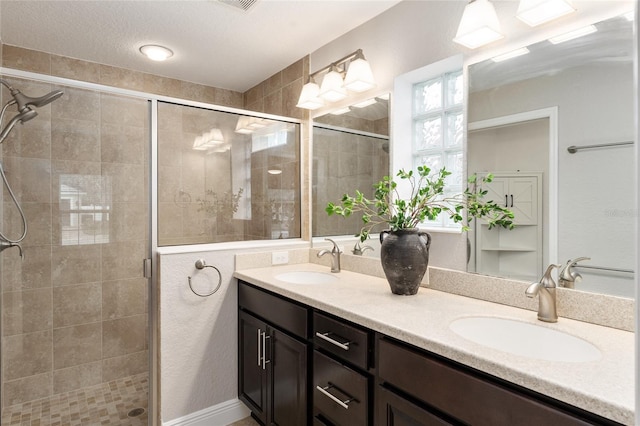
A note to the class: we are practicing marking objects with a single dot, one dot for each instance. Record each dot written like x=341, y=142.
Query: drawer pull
x=259, y=347
x=325, y=391
x=325, y=336
x=265, y=361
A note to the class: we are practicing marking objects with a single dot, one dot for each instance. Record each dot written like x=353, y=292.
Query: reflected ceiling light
x=209, y=141
x=479, y=25
x=341, y=111
x=365, y=103
x=274, y=171
x=384, y=96
x=573, y=34
x=359, y=77
x=309, y=97
x=630, y=16
x=352, y=73
x=242, y=126
x=332, y=88
x=509, y=55
x=155, y=52
x=536, y=12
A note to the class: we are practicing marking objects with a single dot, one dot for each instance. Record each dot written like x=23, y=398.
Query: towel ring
x=201, y=264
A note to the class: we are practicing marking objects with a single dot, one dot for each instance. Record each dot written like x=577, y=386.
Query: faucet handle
x=547, y=280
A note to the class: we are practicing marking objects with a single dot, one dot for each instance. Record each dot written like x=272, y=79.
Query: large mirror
x=556, y=127
x=350, y=151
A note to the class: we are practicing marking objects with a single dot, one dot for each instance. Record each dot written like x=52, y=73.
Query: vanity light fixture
x=589, y=29
x=351, y=73
x=332, y=88
x=509, y=55
x=359, y=76
x=479, y=25
x=156, y=52
x=536, y=12
x=310, y=96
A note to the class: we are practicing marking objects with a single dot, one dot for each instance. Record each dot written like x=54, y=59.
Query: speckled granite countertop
x=604, y=387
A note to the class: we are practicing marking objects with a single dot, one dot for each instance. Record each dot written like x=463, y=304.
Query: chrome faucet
x=359, y=250
x=545, y=289
x=335, y=255
x=568, y=277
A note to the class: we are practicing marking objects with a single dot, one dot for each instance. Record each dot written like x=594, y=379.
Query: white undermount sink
x=524, y=339
x=306, y=277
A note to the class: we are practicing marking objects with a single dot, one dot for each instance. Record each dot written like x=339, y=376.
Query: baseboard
x=221, y=414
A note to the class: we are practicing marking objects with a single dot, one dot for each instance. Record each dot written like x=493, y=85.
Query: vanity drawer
x=346, y=341
x=339, y=393
x=460, y=394
x=280, y=312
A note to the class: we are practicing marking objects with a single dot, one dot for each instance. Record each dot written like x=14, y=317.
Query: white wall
x=198, y=336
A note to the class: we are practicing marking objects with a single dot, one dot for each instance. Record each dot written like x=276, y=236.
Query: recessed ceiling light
x=155, y=52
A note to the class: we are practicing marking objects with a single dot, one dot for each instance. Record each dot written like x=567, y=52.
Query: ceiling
x=213, y=43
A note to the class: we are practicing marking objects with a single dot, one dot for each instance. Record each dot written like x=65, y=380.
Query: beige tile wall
x=74, y=315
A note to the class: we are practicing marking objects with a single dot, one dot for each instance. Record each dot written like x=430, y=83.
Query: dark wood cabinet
x=299, y=366
x=273, y=365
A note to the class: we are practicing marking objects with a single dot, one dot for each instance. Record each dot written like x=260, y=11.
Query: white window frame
x=403, y=153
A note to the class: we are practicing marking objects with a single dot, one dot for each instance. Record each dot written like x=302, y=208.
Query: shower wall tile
x=290, y=95
x=26, y=355
x=273, y=103
x=124, y=298
x=76, y=264
x=121, y=77
x=226, y=97
x=32, y=141
x=124, y=336
x=78, y=140
x=122, y=144
x=123, y=260
x=26, y=59
x=128, y=221
x=295, y=71
x=38, y=217
x=162, y=85
x=79, y=344
x=127, y=182
x=169, y=184
x=81, y=376
x=34, y=271
x=123, y=111
x=30, y=179
x=169, y=221
x=77, y=304
x=27, y=389
x=254, y=94
x=26, y=311
x=77, y=104
x=75, y=69
x=273, y=83
x=123, y=366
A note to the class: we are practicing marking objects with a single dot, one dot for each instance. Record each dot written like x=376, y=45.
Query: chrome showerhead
x=24, y=101
x=24, y=116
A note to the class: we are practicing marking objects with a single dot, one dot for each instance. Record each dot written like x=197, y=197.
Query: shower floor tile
x=105, y=404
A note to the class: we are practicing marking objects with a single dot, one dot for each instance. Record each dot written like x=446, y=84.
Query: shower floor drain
x=135, y=412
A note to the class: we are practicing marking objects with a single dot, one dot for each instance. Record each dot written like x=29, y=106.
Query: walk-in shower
x=25, y=113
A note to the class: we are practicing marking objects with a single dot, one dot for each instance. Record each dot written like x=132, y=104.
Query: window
x=438, y=131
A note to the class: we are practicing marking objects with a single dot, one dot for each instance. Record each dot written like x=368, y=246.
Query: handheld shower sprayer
x=25, y=105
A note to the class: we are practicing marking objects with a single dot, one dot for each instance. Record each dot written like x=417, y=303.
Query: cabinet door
x=523, y=199
x=288, y=363
x=497, y=191
x=252, y=377
x=392, y=410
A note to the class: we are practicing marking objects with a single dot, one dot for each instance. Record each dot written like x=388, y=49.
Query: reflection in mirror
x=226, y=177
x=350, y=151
x=589, y=84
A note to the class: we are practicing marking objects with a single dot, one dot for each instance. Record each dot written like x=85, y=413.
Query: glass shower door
x=75, y=309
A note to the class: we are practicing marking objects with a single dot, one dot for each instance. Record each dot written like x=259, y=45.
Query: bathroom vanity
x=345, y=351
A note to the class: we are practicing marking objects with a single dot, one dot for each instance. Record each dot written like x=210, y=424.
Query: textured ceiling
x=213, y=43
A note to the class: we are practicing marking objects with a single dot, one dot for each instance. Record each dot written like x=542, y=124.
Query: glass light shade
x=359, y=76
x=332, y=89
x=479, y=25
x=156, y=53
x=242, y=126
x=209, y=140
x=309, y=96
x=536, y=12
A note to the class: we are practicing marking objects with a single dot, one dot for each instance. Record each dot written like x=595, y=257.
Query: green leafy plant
x=426, y=201
x=220, y=206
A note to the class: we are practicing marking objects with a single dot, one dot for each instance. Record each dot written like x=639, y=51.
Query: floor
x=245, y=422
x=105, y=404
